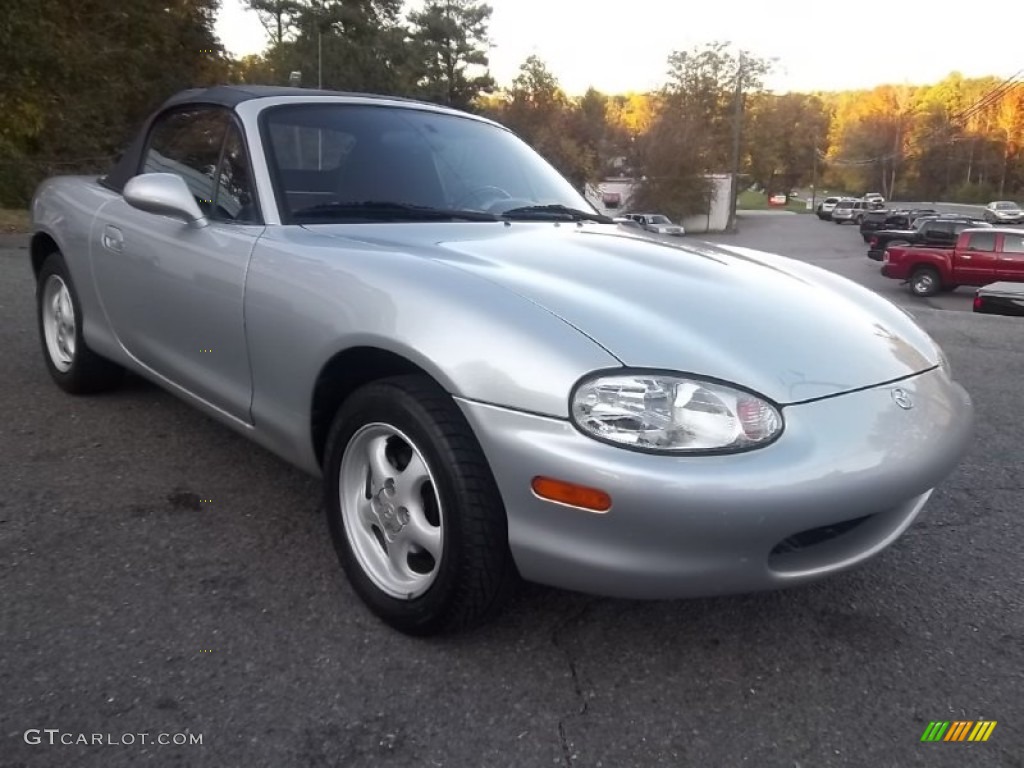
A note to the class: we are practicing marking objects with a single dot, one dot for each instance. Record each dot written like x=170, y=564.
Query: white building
x=605, y=194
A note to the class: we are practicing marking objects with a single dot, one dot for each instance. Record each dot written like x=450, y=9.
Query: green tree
x=782, y=134
x=80, y=75
x=279, y=17
x=692, y=132
x=350, y=45
x=451, y=44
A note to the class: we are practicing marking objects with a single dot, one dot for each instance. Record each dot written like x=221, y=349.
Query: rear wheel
x=925, y=281
x=413, y=509
x=73, y=366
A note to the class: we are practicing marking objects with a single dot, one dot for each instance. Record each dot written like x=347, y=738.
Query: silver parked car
x=1004, y=212
x=492, y=379
x=657, y=223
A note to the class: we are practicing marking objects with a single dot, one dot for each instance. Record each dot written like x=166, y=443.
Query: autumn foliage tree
x=70, y=103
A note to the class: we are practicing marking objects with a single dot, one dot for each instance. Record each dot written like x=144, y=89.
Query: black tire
x=925, y=281
x=476, y=573
x=84, y=372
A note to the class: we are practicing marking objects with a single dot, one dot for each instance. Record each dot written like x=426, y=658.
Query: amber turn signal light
x=590, y=499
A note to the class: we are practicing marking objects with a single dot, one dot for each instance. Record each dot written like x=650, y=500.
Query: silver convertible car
x=493, y=380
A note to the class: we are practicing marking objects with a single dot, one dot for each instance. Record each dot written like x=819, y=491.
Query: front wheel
x=925, y=281
x=413, y=509
x=72, y=365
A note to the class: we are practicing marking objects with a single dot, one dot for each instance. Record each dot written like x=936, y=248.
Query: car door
x=173, y=292
x=1011, y=260
x=976, y=262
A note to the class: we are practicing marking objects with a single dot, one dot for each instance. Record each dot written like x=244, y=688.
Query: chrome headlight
x=673, y=414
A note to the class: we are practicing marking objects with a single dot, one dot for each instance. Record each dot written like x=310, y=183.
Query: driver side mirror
x=165, y=194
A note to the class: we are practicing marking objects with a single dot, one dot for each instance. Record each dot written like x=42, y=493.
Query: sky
x=622, y=45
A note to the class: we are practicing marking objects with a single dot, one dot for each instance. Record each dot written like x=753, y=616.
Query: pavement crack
x=568, y=758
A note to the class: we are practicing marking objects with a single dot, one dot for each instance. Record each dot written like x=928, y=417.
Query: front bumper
x=846, y=478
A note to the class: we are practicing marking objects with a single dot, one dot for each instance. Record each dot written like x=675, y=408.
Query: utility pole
x=814, y=169
x=318, y=7
x=737, y=120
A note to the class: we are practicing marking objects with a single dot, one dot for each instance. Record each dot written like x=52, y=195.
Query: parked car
x=842, y=213
x=826, y=206
x=852, y=211
x=1000, y=299
x=875, y=198
x=657, y=223
x=874, y=221
x=908, y=218
x=491, y=378
x=980, y=256
x=1004, y=212
x=934, y=231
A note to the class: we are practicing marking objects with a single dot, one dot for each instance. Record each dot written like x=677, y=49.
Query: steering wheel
x=494, y=194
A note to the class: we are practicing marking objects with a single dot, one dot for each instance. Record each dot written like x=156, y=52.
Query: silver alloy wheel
x=924, y=283
x=391, y=510
x=58, y=323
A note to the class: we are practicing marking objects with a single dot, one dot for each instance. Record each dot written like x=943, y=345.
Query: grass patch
x=13, y=220
x=757, y=201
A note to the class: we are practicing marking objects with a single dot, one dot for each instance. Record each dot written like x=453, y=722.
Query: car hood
x=783, y=328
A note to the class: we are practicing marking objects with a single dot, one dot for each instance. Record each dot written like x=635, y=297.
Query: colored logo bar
x=958, y=730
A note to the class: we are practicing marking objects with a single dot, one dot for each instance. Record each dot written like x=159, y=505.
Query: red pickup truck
x=980, y=256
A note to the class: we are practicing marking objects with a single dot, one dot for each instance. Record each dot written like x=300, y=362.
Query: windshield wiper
x=382, y=210
x=554, y=212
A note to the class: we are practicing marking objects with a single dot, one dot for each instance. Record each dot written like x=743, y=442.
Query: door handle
x=113, y=240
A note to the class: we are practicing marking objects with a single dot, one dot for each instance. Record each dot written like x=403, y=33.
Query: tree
x=692, y=133
x=279, y=17
x=538, y=110
x=354, y=45
x=782, y=135
x=71, y=104
x=450, y=40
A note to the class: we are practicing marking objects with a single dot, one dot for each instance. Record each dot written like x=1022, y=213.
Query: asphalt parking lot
x=132, y=606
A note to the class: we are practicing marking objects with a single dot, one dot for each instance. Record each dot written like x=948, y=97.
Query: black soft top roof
x=228, y=96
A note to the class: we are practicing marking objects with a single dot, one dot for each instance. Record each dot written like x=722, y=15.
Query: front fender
x=309, y=297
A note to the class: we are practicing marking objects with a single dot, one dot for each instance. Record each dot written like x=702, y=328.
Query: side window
x=235, y=199
x=187, y=142
x=937, y=229
x=982, y=241
x=1013, y=243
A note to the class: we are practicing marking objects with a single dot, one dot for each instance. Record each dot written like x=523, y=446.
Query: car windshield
x=660, y=220
x=1006, y=206
x=354, y=162
x=844, y=205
